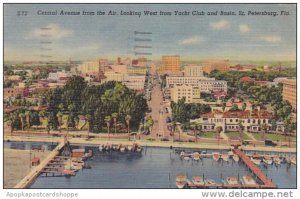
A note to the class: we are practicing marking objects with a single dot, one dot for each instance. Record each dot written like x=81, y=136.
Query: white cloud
x=52, y=30
x=218, y=25
x=244, y=28
x=192, y=40
x=270, y=39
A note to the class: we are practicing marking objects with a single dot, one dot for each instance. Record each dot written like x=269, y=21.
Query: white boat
x=122, y=149
x=197, y=180
x=225, y=157
x=248, y=180
x=267, y=159
x=138, y=149
x=216, y=156
x=100, y=148
x=129, y=147
x=230, y=153
x=210, y=182
x=196, y=156
x=186, y=158
x=235, y=158
x=232, y=180
x=182, y=153
x=256, y=161
x=181, y=181
x=293, y=160
x=277, y=160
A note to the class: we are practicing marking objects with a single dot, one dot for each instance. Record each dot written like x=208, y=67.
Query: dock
x=36, y=171
x=267, y=183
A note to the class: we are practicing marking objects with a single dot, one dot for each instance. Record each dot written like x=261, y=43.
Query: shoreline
x=150, y=144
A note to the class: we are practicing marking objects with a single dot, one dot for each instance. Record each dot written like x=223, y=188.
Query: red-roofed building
x=229, y=120
x=247, y=79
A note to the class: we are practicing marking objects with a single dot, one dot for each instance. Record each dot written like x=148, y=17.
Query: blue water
x=29, y=145
x=156, y=168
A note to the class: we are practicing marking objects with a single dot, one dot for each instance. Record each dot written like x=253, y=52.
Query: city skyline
x=207, y=37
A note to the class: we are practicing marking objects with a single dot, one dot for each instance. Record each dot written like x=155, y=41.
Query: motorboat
x=181, y=181
x=210, y=182
x=100, y=148
x=122, y=149
x=232, y=180
x=186, y=158
x=267, y=159
x=196, y=156
x=248, y=180
x=230, y=153
x=293, y=160
x=182, y=153
x=198, y=180
x=68, y=172
x=216, y=156
x=277, y=160
x=235, y=158
x=225, y=157
x=129, y=147
x=256, y=161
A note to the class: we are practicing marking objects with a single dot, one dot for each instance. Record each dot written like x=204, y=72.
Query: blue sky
x=192, y=37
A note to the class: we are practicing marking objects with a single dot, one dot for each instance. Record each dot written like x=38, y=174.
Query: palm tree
x=41, y=116
x=173, y=128
x=27, y=114
x=59, y=115
x=287, y=126
x=107, y=120
x=241, y=127
x=115, y=117
x=264, y=127
x=219, y=130
x=10, y=122
x=150, y=123
x=127, y=119
x=194, y=126
x=88, y=118
x=21, y=116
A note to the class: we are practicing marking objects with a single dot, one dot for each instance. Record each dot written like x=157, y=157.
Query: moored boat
x=181, y=181
x=248, y=180
x=122, y=149
x=230, y=153
x=293, y=160
x=232, y=180
x=129, y=147
x=277, y=160
x=210, y=182
x=68, y=172
x=216, y=156
x=196, y=156
x=225, y=157
x=197, y=180
x=267, y=159
x=235, y=158
x=100, y=148
x=256, y=161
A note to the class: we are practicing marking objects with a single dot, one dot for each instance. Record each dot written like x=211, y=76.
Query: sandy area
x=17, y=165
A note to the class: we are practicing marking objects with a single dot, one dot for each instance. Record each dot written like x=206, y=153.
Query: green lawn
x=208, y=134
x=234, y=134
x=273, y=137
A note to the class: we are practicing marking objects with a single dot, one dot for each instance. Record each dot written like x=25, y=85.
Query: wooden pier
x=267, y=183
x=36, y=171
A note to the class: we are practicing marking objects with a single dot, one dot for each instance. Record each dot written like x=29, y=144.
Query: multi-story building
x=193, y=71
x=113, y=76
x=210, y=65
x=289, y=92
x=231, y=120
x=209, y=86
x=170, y=63
x=13, y=92
x=135, y=82
x=190, y=93
x=88, y=67
x=181, y=80
x=136, y=70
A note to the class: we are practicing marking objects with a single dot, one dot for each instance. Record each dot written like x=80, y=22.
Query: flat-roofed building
x=190, y=93
x=289, y=92
x=181, y=80
x=210, y=86
x=210, y=65
x=193, y=71
x=170, y=63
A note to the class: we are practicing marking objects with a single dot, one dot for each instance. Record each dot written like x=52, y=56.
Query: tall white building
x=209, y=86
x=193, y=71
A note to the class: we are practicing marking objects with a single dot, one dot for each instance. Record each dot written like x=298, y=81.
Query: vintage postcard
x=163, y=96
